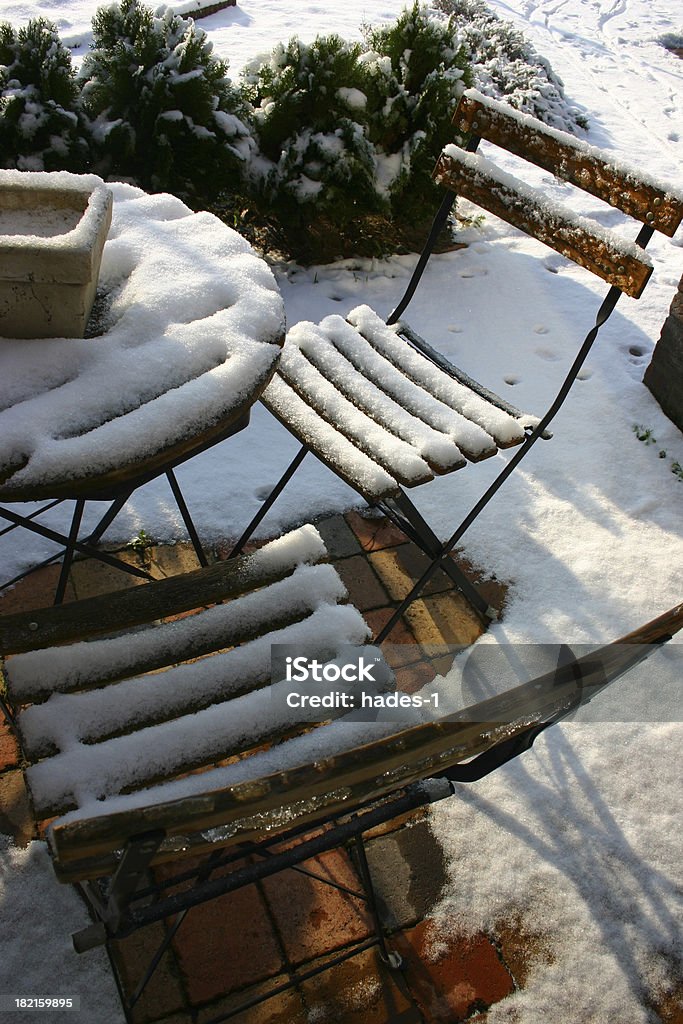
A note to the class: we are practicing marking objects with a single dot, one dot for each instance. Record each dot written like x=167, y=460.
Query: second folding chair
x=384, y=410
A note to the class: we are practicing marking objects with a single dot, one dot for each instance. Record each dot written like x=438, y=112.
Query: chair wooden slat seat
x=101, y=716
x=363, y=384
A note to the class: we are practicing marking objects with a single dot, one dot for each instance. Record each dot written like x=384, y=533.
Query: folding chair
x=159, y=741
x=384, y=410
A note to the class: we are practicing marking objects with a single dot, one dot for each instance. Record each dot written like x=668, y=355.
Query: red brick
x=285, y=1008
x=312, y=918
x=374, y=532
x=451, y=978
x=401, y=646
x=400, y=568
x=411, y=678
x=227, y=944
x=15, y=813
x=9, y=748
x=521, y=950
x=36, y=591
x=443, y=621
x=493, y=590
x=163, y=993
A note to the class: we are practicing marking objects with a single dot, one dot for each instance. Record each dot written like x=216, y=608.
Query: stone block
x=664, y=375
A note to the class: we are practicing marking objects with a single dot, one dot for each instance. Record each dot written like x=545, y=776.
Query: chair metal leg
x=603, y=315
x=270, y=500
x=423, y=535
x=79, y=545
x=108, y=518
x=390, y=959
x=69, y=551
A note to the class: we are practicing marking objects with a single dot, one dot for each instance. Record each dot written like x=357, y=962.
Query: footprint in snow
x=584, y=375
x=547, y=354
x=541, y=329
x=511, y=380
x=473, y=272
x=261, y=493
x=638, y=353
x=455, y=328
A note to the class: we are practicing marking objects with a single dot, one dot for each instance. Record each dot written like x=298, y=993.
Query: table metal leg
x=187, y=518
x=69, y=551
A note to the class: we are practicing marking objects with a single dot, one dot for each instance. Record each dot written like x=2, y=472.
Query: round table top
x=191, y=326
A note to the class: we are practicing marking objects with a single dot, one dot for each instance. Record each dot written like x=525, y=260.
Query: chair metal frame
x=285, y=818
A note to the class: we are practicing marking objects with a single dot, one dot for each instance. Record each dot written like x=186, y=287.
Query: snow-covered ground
x=581, y=836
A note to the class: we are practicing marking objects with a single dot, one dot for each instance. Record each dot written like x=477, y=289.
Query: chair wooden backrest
x=603, y=252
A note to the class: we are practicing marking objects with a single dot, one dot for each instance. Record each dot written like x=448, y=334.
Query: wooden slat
x=365, y=432
x=171, y=643
x=456, y=407
x=108, y=613
x=561, y=233
x=84, y=848
x=187, y=702
x=355, y=468
x=418, y=342
x=566, y=158
x=372, y=395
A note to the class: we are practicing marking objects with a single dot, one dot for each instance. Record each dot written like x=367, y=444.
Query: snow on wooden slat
x=142, y=700
x=395, y=455
x=390, y=385
x=438, y=450
x=81, y=772
x=584, y=241
x=571, y=159
x=331, y=447
x=462, y=404
x=33, y=675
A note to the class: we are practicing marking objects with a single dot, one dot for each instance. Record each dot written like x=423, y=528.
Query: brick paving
x=233, y=949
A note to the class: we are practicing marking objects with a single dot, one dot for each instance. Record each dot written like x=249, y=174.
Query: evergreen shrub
x=39, y=123
x=161, y=109
x=347, y=135
x=418, y=70
x=315, y=160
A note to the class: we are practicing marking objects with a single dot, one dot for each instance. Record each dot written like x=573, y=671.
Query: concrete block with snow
x=52, y=231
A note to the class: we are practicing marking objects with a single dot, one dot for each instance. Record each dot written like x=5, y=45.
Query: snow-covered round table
x=192, y=323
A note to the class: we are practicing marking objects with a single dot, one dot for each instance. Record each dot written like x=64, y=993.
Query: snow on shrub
x=418, y=69
x=309, y=117
x=348, y=133
x=506, y=65
x=39, y=124
x=160, y=106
